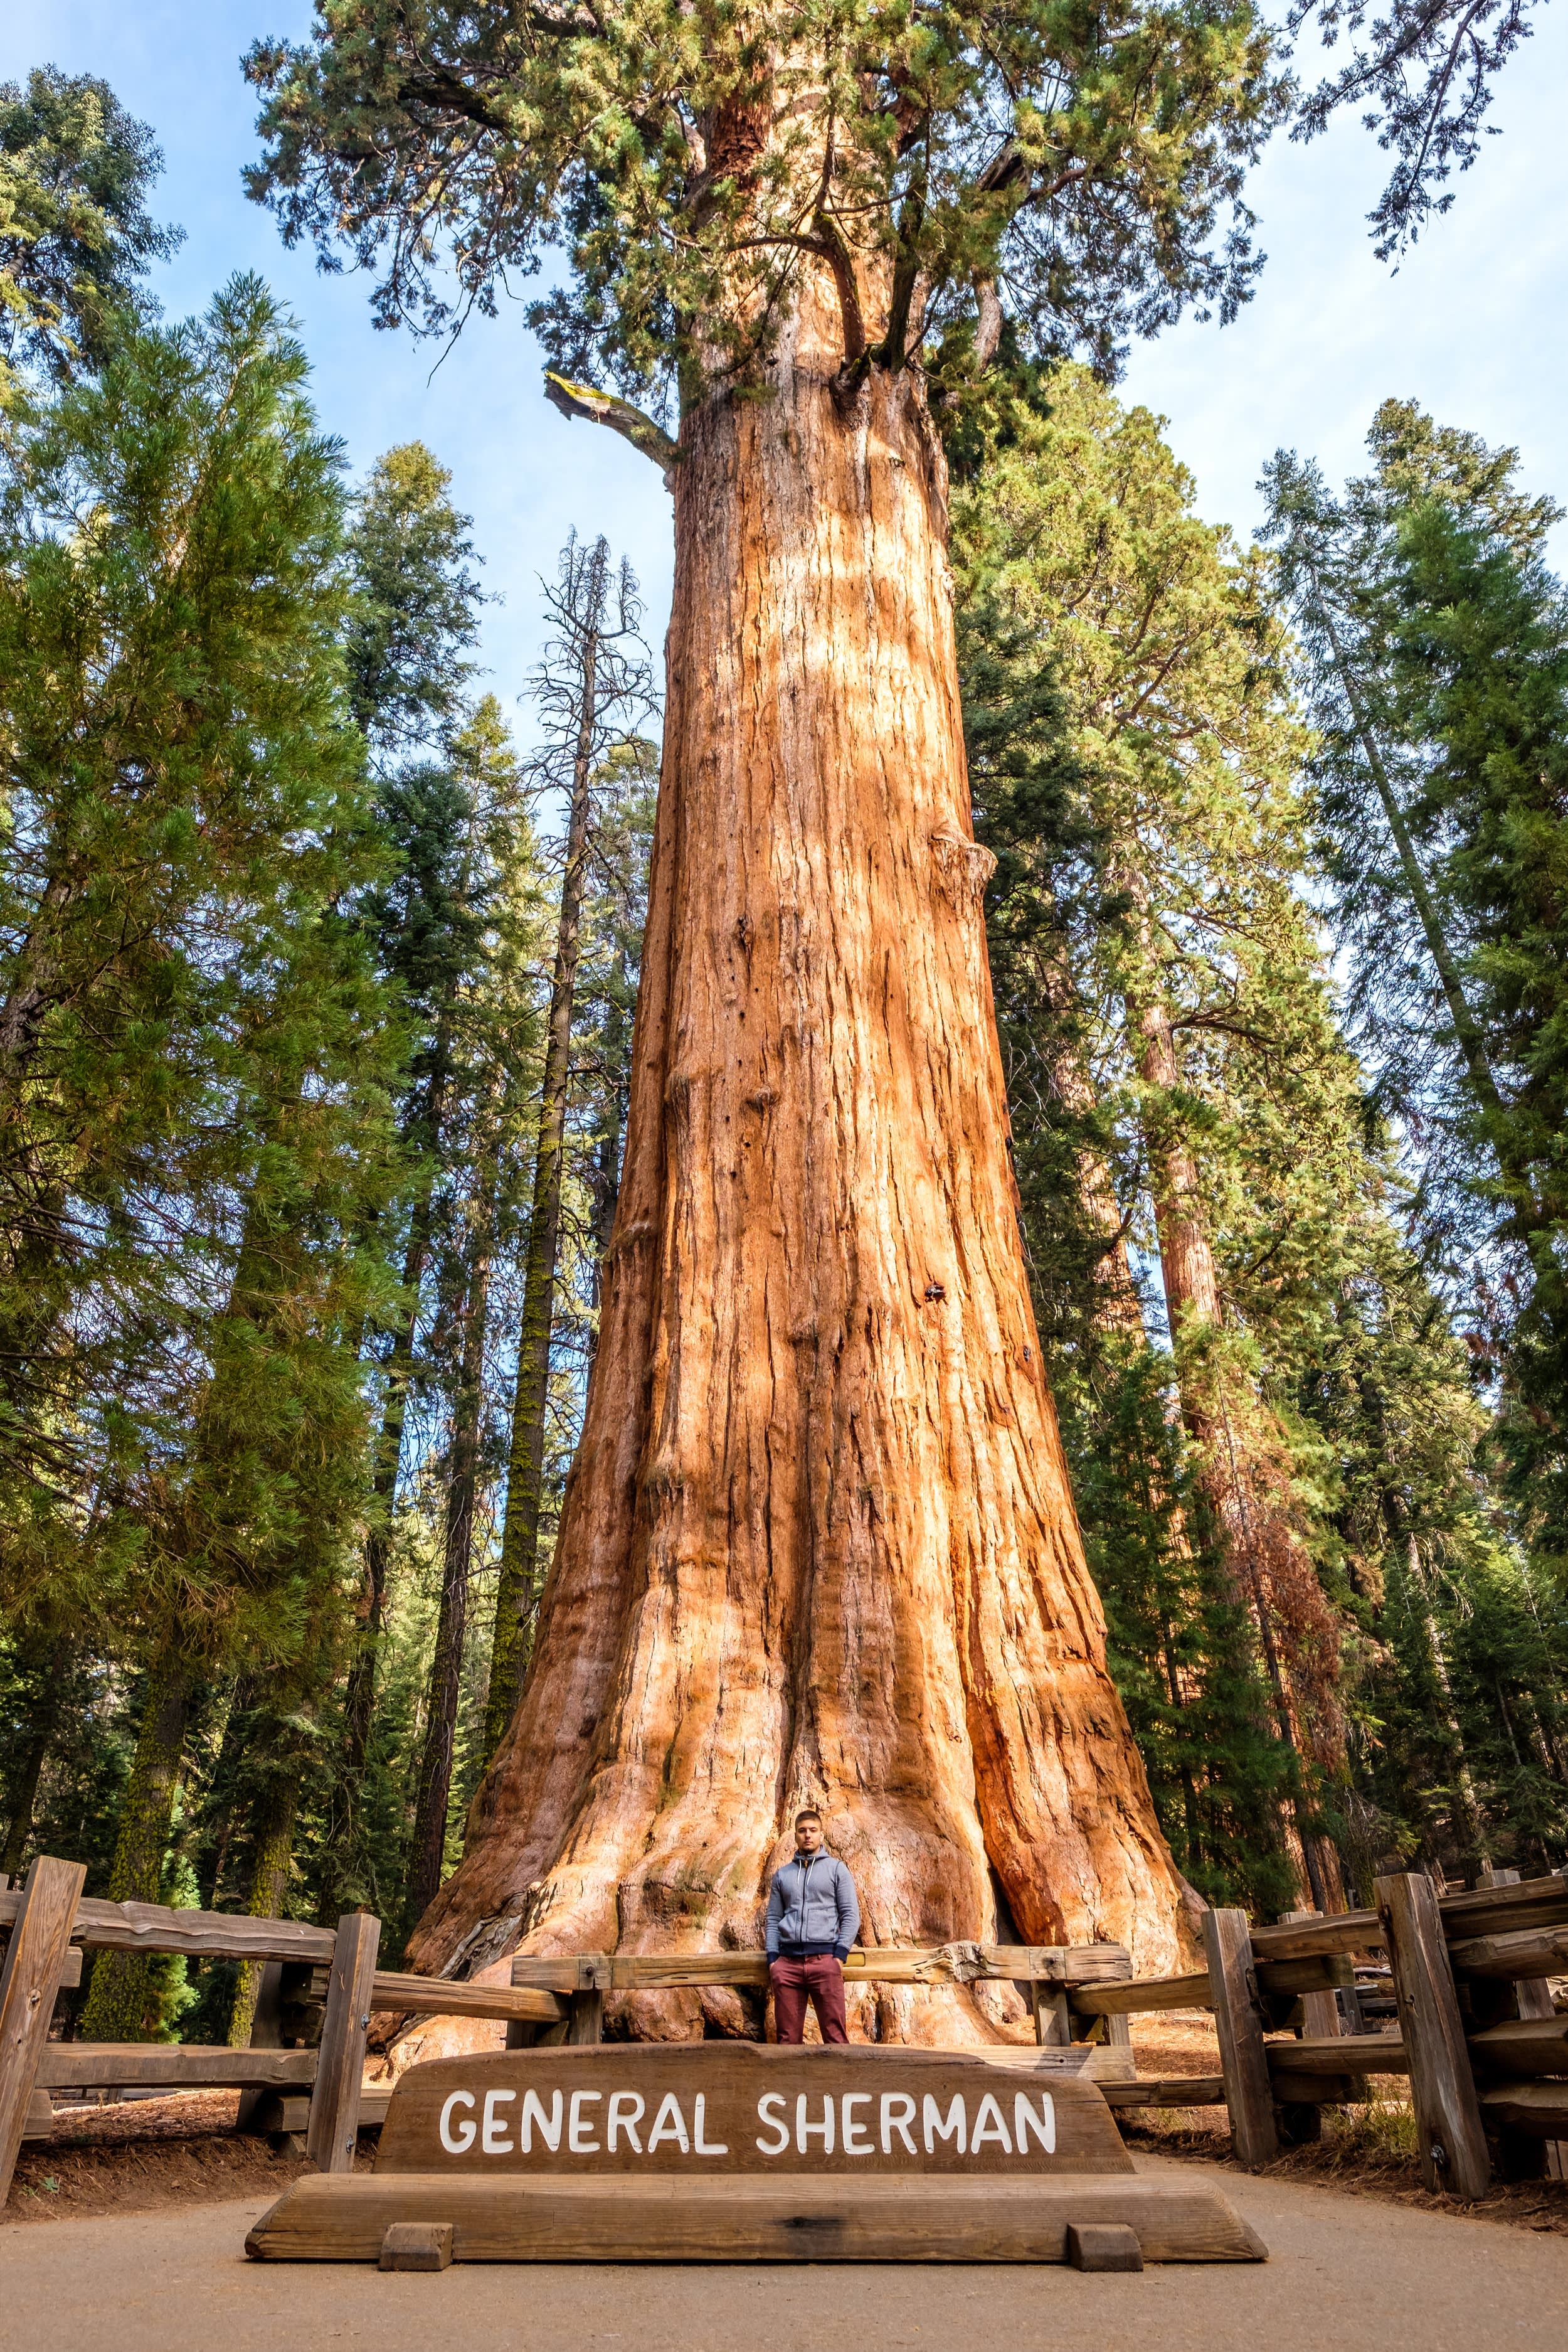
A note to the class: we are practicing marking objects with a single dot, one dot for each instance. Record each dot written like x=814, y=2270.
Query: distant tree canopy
x=76, y=236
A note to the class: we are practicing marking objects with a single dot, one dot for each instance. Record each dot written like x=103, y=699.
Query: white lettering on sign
x=1042, y=2126
x=549, y=2126
x=838, y=2124
x=936, y=2128
x=897, y=2114
x=668, y=2124
x=460, y=2142
x=822, y=2131
x=989, y=2126
x=626, y=2112
x=494, y=2140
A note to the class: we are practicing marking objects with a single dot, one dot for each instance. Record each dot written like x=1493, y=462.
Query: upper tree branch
x=605, y=408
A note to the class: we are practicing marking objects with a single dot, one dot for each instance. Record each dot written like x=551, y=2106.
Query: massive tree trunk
x=817, y=1542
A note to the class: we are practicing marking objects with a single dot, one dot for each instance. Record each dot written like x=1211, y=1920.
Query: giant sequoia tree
x=818, y=1539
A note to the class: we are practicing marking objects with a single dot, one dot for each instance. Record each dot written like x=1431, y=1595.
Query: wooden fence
x=321, y=1986
x=1475, y=2029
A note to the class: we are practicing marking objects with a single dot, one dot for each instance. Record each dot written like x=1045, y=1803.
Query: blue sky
x=1474, y=325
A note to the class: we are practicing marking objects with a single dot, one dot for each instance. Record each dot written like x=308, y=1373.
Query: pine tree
x=193, y=1072
x=591, y=688
x=1433, y=640
x=1479, y=664
x=457, y=923
x=1187, y=1001
x=412, y=624
x=76, y=238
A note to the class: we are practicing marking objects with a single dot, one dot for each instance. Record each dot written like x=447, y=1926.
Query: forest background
x=280, y=1104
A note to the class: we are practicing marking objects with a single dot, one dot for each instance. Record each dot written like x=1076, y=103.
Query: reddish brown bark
x=1244, y=1466
x=817, y=1542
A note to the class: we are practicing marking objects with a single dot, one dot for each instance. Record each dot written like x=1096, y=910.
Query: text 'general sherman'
x=502, y=2122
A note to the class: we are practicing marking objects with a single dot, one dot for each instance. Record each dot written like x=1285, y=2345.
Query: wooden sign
x=735, y=2109
x=682, y=2152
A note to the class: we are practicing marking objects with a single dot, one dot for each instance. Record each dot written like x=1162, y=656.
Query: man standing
x=813, y=1918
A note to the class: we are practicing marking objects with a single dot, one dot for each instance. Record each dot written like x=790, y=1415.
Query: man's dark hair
x=808, y=1813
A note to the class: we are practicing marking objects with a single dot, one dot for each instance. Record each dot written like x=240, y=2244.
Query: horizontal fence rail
x=945, y=1964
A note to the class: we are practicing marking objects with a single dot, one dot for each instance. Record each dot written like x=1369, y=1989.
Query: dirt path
x=1350, y=2272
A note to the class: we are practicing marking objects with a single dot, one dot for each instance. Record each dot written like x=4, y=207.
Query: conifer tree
x=801, y=209
x=456, y=922
x=1479, y=662
x=592, y=689
x=412, y=624
x=76, y=238
x=1196, y=988
x=1433, y=641
x=192, y=1075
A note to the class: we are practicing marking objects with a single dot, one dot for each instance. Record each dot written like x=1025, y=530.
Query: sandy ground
x=1344, y=2271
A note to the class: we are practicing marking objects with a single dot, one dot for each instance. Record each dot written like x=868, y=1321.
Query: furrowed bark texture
x=817, y=1542
x=1272, y=1575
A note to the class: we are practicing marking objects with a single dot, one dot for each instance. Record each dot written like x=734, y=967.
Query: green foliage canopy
x=1086, y=162
x=76, y=236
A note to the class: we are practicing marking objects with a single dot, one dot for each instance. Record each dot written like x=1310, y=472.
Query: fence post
x=1052, y=2018
x=1243, y=2062
x=586, y=2023
x=1450, y=2141
x=340, y=2062
x=40, y=1939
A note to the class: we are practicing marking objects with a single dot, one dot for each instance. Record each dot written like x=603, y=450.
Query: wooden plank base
x=416, y=2246
x=1103, y=2246
x=804, y=2217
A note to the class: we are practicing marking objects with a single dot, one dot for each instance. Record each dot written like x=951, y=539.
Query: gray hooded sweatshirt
x=812, y=1908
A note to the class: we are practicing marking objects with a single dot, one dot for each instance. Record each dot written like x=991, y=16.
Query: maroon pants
x=821, y=1982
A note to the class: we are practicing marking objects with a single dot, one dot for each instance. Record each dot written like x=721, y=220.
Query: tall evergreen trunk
x=360, y=1698
x=118, y=2000
x=274, y=1853
x=1117, y=1311
x=346, y=1875
x=818, y=1541
x=1193, y=1306
x=607, y=1158
x=1468, y=1823
x=48, y=1662
x=1467, y=1028
x=514, y=1593
x=429, y=1841
x=231, y=1747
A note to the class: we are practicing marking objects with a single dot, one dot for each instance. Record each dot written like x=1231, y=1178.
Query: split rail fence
x=1475, y=2028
